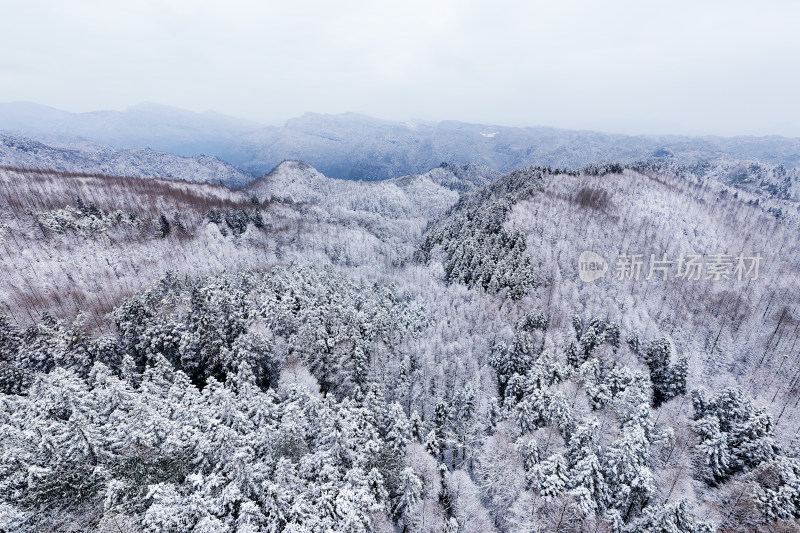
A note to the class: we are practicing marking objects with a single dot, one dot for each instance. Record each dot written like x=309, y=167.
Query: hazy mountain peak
x=153, y=107
x=356, y=146
x=22, y=117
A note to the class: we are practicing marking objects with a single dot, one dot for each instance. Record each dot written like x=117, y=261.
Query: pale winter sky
x=640, y=66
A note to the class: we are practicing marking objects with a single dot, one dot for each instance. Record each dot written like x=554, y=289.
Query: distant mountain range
x=353, y=146
x=358, y=147
x=159, y=127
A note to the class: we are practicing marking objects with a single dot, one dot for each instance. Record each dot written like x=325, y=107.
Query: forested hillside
x=82, y=157
x=418, y=354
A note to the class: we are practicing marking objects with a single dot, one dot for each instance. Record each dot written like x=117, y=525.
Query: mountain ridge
x=100, y=159
x=357, y=146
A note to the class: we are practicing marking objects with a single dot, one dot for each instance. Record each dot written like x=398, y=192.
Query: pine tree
x=734, y=434
x=668, y=380
x=779, y=498
x=588, y=484
x=714, y=447
x=589, y=336
x=164, y=227
x=432, y=445
x=410, y=491
x=531, y=412
x=673, y=518
x=625, y=466
x=551, y=476
x=530, y=454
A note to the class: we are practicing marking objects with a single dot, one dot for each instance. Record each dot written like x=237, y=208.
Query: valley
x=411, y=354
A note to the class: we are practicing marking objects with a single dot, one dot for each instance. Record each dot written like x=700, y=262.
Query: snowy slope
x=94, y=158
x=274, y=358
x=416, y=195
x=395, y=211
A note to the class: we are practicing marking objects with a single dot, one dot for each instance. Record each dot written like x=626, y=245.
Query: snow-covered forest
x=418, y=354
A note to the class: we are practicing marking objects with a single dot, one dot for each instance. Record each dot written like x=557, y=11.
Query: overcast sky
x=697, y=67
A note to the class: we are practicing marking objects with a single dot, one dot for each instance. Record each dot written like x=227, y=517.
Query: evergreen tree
x=410, y=491
x=551, y=476
x=625, y=466
x=778, y=496
x=735, y=435
x=673, y=518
